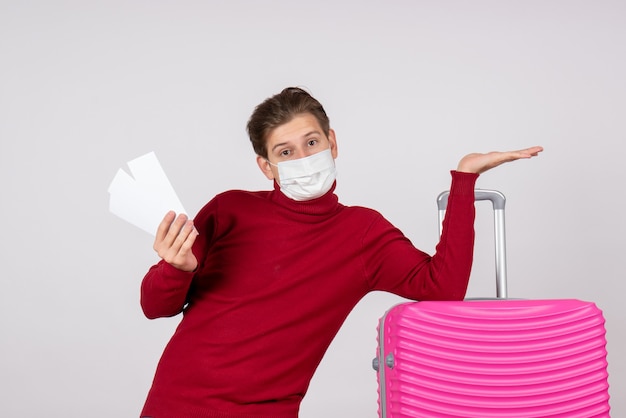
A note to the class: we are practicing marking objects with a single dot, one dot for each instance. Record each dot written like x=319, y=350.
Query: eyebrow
x=303, y=136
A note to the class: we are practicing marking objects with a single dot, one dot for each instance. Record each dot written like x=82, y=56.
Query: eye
x=312, y=142
x=285, y=153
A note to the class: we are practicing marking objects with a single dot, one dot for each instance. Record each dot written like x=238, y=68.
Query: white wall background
x=410, y=86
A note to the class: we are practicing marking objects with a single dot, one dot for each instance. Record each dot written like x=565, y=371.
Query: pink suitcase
x=498, y=357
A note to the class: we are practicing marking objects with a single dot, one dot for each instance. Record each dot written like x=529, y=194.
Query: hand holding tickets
x=174, y=240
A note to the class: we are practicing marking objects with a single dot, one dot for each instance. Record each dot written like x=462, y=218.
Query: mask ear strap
x=271, y=163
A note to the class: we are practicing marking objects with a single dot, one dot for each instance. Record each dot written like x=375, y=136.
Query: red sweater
x=275, y=281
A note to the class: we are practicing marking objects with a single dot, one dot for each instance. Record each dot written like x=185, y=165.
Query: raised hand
x=479, y=163
x=174, y=238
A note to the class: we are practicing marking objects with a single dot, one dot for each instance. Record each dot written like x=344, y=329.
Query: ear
x=265, y=167
x=333, y=143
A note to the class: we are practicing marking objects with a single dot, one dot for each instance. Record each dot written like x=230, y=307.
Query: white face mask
x=307, y=178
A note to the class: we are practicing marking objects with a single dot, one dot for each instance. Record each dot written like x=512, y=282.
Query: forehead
x=300, y=127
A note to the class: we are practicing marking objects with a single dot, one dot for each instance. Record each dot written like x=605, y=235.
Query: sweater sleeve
x=164, y=288
x=393, y=264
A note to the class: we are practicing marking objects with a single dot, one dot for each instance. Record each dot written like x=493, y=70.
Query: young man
x=266, y=279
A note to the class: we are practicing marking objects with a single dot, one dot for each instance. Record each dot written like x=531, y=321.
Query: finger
x=175, y=229
x=532, y=151
x=188, y=237
x=495, y=159
x=523, y=153
x=187, y=230
x=178, y=225
x=184, y=241
x=164, y=227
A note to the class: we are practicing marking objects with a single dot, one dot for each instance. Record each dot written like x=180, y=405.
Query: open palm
x=479, y=163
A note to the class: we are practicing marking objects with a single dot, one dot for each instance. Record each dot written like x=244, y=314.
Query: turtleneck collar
x=325, y=205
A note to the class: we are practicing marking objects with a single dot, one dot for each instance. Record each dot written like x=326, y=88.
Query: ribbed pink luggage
x=499, y=358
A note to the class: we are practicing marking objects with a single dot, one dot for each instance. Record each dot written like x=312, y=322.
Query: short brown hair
x=280, y=109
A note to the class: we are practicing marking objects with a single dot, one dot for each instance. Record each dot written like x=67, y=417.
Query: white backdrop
x=410, y=86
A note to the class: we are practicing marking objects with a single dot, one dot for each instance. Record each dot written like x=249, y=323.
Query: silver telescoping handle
x=498, y=201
